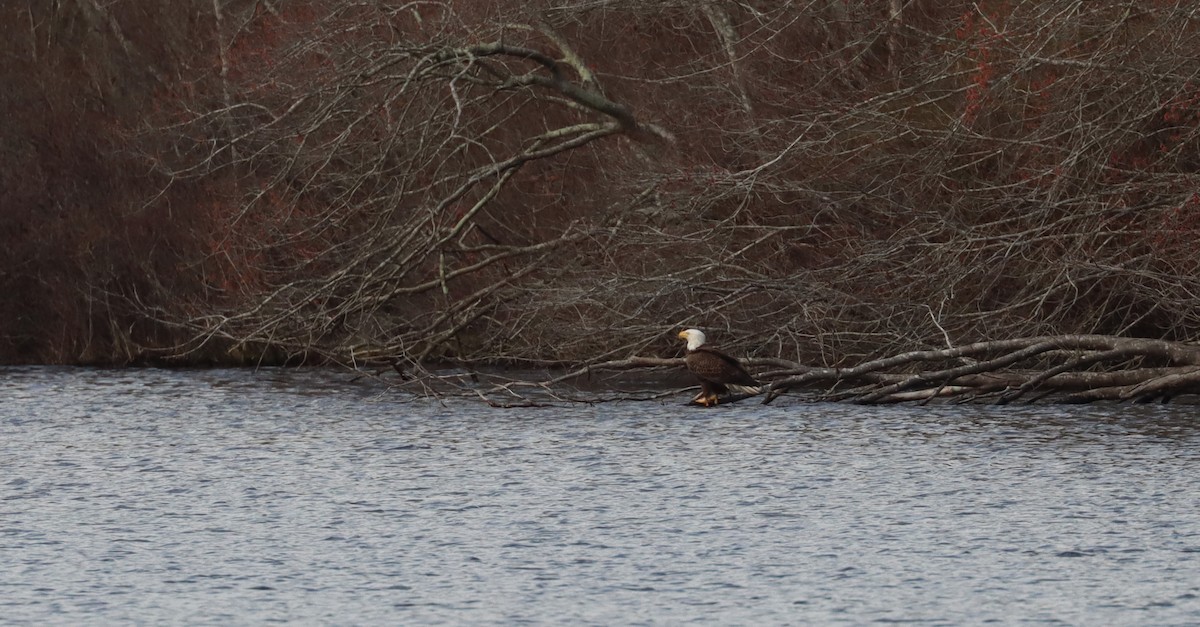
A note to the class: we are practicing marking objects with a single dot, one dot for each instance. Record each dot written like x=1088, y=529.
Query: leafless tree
x=381, y=219
x=824, y=183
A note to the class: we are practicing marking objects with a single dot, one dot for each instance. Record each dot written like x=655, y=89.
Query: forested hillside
x=569, y=181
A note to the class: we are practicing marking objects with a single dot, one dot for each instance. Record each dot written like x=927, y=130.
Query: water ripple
x=229, y=496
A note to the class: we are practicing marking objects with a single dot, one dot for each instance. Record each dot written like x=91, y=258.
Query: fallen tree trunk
x=1081, y=368
x=1060, y=368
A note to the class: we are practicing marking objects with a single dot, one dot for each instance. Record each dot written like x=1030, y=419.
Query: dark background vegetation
x=567, y=181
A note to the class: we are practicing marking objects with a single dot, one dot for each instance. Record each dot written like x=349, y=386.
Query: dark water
x=233, y=497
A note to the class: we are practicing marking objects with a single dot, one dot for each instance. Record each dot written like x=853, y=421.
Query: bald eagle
x=716, y=371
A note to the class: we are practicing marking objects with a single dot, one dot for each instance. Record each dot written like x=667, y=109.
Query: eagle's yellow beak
x=682, y=335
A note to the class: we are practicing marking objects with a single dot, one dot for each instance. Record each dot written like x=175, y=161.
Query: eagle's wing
x=712, y=364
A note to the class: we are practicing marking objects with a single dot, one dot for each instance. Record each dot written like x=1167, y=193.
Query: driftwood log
x=1061, y=368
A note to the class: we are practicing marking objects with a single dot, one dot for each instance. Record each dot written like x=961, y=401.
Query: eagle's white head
x=694, y=337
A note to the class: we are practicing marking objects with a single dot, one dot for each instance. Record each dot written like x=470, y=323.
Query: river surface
x=239, y=497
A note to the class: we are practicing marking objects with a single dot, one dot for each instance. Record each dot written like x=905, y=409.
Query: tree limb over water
x=1060, y=368
x=1081, y=368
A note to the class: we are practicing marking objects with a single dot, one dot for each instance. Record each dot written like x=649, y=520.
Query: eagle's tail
x=746, y=389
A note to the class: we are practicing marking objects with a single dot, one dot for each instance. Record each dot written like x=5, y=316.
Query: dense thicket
x=85, y=235
x=569, y=181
